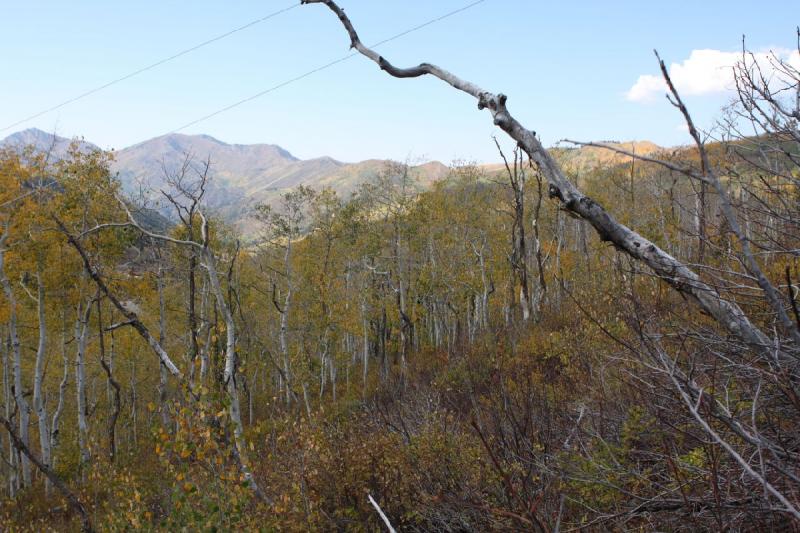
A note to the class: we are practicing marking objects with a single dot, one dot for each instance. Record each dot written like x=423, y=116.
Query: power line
x=325, y=66
x=153, y=65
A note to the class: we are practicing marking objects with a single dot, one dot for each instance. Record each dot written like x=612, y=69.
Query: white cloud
x=645, y=88
x=705, y=72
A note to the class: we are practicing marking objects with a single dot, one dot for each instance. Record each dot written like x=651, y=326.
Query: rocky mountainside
x=246, y=175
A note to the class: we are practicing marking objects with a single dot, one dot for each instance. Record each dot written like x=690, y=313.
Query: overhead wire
x=254, y=96
x=324, y=67
x=153, y=65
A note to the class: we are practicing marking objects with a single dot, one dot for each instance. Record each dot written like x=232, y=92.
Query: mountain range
x=245, y=175
x=241, y=175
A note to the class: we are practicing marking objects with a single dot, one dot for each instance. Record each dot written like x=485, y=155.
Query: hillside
x=241, y=175
x=587, y=158
x=244, y=175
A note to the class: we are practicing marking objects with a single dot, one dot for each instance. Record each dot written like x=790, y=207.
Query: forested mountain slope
x=243, y=176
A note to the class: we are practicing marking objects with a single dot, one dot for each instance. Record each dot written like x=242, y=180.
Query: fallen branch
x=72, y=500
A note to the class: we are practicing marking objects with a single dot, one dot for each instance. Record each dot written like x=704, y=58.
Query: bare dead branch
x=668, y=268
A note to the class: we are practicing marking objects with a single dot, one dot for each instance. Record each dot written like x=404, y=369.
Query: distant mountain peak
x=203, y=145
x=210, y=138
x=32, y=136
x=44, y=141
x=242, y=175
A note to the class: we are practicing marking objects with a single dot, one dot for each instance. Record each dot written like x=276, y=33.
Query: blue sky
x=566, y=66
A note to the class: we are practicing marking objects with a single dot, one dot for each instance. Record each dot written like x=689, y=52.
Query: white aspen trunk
x=485, y=294
x=746, y=214
x=62, y=389
x=437, y=337
x=540, y=288
x=229, y=375
x=19, y=397
x=306, y=399
x=56, y=421
x=134, y=404
x=38, y=397
x=365, y=354
x=229, y=371
x=471, y=309
x=348, y=340
x=287, y=368
x=7, y=401
x=204, y=362
x=332, y=367
x=112, y=354
x=525, y=304
x=322, y=374
x=559, y=246
x=81, y=334
x=162, y=335
x=287, y=304
x=402, y=307
x=324, y=359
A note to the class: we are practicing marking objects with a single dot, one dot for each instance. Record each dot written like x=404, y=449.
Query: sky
x=582, y=70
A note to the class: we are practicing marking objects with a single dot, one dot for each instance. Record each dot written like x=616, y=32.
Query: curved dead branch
x=674, y=272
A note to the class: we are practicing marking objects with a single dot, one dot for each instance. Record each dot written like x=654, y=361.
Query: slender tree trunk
x=537, y=248
x=306, y=399
x=162, y=337
x=700, y=222
x=62, y=392
x=19, y=396
x=365, y=353
x=204, y=319
x=284, y=329
x=8, y=400
x=134, y=405
x=81, y=335
x=194, y=348
x=38, y=396
x=115, y=408
x=229, y=375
